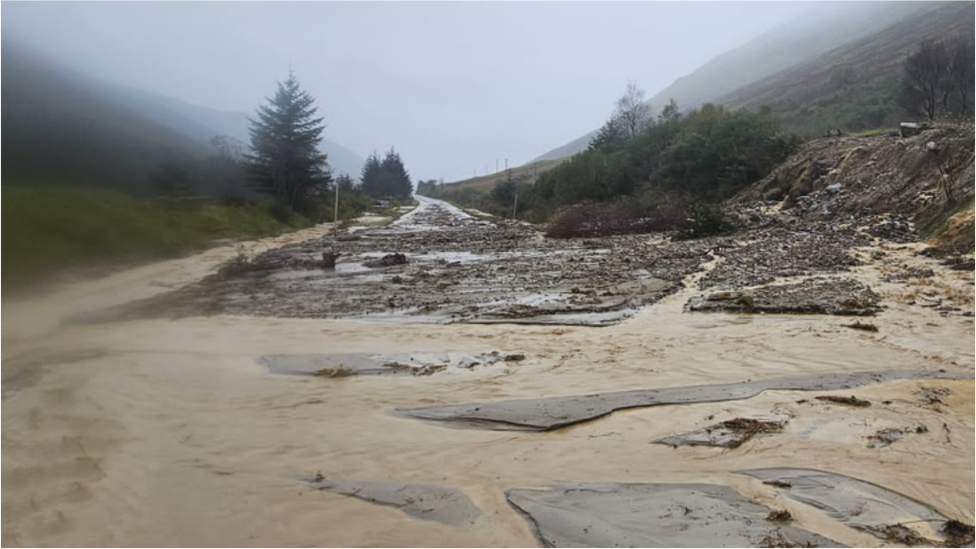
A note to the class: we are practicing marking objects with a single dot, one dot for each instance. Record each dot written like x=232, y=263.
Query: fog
x=453, y=86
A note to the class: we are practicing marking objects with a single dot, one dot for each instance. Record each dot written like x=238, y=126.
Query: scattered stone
x=545, y=414
x=388, y=260
x=884, y=437
x=727, y=434
x=780, y=515
x=957, y=534
x=932, y=397
x=652, y=515
x=329, y=259
x=424, y=501
x=846, y=401
x=864, y=326
x=365, y=364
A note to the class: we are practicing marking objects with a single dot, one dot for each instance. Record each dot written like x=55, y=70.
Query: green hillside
x=58, y=128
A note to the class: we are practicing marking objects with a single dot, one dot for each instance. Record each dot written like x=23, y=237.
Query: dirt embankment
x=884, y=182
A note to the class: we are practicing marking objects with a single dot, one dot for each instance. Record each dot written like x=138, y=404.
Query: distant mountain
x=821, y=30
x=203, y=124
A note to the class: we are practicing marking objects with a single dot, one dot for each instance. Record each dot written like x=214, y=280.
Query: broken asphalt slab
x=546, y=414
x=442, y=504
x=862, y=505
x=653, y=515
x=727, y=434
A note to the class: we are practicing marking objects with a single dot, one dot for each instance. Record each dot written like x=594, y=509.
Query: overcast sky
x=452, y=86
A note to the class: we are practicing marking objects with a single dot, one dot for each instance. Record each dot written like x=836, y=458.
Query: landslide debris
x=831, y=296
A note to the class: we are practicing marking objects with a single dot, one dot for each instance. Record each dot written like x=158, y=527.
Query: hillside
x=60, y=125
x=853, y=86
x=204, y=123
x=56, y=126
x=791, y=44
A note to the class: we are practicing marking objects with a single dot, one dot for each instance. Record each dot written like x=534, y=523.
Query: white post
x=335, y=216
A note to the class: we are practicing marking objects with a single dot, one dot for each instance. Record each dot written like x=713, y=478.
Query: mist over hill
x=744, y=76
x=60, y=125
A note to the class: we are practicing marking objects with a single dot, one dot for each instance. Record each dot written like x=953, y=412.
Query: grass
x=50, y=229
x=875, y=132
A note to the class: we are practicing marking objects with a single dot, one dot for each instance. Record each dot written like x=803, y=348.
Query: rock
x=388, y=260
x=932, y=146
x=329, y=259
x=833, y=188
x=909, y=129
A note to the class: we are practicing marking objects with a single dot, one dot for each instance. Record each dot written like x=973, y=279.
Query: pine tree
x=285, y=161
x=396, y=179
x=345, y=182
x=372, y=176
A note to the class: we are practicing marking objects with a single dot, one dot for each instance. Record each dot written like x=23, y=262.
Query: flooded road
x=163, y=431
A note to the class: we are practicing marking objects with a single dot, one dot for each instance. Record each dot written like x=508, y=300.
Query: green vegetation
x=49, y=228
x=850, y=108
x=387, y=178
x=665, y=172
x=285, y=162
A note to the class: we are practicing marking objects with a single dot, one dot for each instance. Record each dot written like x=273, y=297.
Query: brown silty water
x=170, y=432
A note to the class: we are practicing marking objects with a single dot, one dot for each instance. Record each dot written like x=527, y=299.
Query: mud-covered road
x=391, y=403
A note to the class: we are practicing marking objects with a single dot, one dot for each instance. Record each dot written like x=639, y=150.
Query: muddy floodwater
x=530, y=382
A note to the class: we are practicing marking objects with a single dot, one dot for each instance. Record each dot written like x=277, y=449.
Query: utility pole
x=496, y=165
x=506, y=163
x=335, y=216
x=515, y=206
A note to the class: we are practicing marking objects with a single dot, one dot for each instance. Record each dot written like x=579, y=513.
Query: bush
x=704, y=219
x=591, y=219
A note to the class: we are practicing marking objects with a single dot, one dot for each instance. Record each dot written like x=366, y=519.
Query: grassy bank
x=48, y=229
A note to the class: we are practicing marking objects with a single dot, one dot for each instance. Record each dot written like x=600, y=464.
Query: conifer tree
x=285, y=162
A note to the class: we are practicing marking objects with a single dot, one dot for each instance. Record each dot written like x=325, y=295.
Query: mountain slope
x=819, y=31
x=57, y=127
x=203, y=123
x=854, y=86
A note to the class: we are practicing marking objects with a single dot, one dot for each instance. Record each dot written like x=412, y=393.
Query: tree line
x=284, y=163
